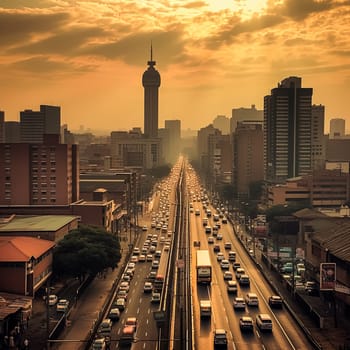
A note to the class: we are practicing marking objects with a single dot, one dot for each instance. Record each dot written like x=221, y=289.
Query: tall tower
x=287, y=131
x=151, y=83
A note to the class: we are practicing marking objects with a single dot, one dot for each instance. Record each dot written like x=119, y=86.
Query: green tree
x=87, y=250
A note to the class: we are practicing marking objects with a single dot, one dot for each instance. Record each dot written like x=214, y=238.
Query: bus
x=203, y=267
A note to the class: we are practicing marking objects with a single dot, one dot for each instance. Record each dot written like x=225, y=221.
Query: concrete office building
x=151, y=83
x=318, y=139
x=245, y=114
x=35, y=124
x=39, y=174
x=337, y=128
x=248, y=146
x=287, y=131
x=174, y=128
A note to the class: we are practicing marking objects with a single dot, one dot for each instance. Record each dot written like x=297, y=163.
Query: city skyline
x=213, y=56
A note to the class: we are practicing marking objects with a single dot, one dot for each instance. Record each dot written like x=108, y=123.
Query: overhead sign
x=327, y=276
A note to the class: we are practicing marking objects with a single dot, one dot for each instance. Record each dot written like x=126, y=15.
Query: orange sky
x=213, y=55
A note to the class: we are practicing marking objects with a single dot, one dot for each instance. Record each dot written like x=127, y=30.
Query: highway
x=285, y=335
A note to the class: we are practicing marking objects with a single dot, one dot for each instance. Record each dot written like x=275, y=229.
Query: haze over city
x=89, y=57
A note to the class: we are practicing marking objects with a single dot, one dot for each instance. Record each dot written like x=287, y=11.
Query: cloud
x=66, y=42
x=17, y=28
x=45, y=65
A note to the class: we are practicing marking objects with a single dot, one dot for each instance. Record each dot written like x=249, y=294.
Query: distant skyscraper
x=337, y=128
x=35, y=124
x=151, y=83
x=12, y=132
x=287, y=131
x=245, y=114
x=174, y=127
x=222, y=123
x=318, y=139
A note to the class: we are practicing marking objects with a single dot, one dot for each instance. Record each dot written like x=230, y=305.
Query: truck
x=205, y=308
x=203, y=267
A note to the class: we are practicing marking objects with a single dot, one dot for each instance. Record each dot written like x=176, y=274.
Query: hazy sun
x=246, y=6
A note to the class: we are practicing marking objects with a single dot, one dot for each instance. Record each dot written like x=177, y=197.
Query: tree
x=86, y=250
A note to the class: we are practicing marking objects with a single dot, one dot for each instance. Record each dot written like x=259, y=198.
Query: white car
x=53, y=299
x=239, y=303
x=225, y=264
x=62, y=305
x=220, y=256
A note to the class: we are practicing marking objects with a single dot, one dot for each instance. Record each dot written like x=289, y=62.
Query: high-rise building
x=222, y=123
x=248, y=146
x=38, y=174
x=35, y=124
x=245, y=114
x=12, y=132
x=151, y=83
x=174, y=127
x=318, y=139
x=287, y=131
x=337, y=128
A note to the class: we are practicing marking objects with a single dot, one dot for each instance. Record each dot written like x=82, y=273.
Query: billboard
x=327, y=276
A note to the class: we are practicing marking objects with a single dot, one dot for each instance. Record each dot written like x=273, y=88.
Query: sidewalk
x=88, y=308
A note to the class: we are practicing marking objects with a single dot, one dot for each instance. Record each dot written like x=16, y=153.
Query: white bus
x=203, y=267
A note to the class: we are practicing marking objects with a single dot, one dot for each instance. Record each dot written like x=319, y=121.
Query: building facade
x=38, y=174
x=248, y=147
x=35, y=124
x=287, y=131
x=318, y=139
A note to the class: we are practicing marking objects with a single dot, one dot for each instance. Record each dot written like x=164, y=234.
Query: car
x=62, y=305
x=122, y=294
x=149, y=257
x=228, y=275
x=119, y=303
x=134, y=259
x=224, y=221
x=124, y=285
x=311, y=288
x=219, y=237
x=99, y=344
x=211, y=240
x=231, y=286
x=142, y=258
x=236, y=265
x=228, y=245
x=155, y=264
x=264, y=322
x=147, y=288
x=136, y=251
x=166, y=247
x=155, y=298
x=239, y=272
x=275, y=301
x=144, y=228
x=220, y=256
x=220, y=337
x=53, y=299
x=114, y=314
x=239, y=303
x=252, y=299
x=216, y=248
x=152, y=275
x=244, y=280
x=105, y=327
x=225, y=264
x=246, y=324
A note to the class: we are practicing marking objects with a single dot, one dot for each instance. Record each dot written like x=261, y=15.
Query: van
x=205, y=308
x=264, y=322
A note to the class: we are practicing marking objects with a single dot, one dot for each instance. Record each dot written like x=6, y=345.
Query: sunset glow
x=213, y=55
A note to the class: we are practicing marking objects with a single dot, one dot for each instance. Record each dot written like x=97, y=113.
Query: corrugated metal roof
x=37, y=223
x=336, y=239
x=21, y=249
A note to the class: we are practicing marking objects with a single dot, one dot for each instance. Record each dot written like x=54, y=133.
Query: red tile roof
x=21, y=249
